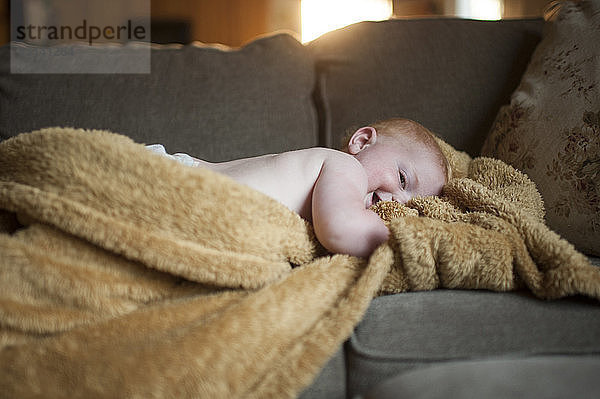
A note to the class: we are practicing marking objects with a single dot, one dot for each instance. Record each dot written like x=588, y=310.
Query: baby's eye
x=402, y=179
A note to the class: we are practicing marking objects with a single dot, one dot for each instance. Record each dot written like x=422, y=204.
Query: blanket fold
x=486, y=231
x=124, y=273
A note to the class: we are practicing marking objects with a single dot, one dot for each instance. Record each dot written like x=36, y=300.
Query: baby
x=391, y=160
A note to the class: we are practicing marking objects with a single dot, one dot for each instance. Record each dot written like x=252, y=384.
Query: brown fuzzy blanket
x=125, y=274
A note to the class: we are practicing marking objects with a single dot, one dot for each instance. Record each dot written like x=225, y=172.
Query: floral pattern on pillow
x=506, y=139
x=577, y=166
x=551, y=129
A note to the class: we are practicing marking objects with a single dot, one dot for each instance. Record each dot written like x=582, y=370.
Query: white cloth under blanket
x=179, y=157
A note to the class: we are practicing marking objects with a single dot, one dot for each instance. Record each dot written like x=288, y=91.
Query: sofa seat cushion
x=330, y=383
x=405, y=331
x=533, y=378
x=211, y=102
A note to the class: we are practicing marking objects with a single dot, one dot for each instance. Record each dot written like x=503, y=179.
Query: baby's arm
x=341, y=222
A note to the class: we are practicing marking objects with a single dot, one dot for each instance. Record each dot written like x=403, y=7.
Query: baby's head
x=401, y=158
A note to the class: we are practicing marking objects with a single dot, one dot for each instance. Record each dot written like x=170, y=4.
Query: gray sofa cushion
x=212, y=103
x=406, y=331
x=532, y=378
x=330, y=383
x=376, y=70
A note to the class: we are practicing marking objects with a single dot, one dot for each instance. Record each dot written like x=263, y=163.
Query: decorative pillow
x=551, y=129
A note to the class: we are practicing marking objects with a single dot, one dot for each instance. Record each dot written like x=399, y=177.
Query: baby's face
x=399, y=171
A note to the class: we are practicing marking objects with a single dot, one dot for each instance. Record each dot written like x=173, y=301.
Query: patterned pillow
x=551, y=129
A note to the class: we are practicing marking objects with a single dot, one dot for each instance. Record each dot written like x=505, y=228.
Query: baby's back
x=288, y=177
x=324, y=186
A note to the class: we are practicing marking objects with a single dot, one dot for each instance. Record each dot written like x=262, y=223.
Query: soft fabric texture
x=180, y=157
x=409, y=331
x=551, y=129
x=449, y=74
x=531, y=378
x=214, y=102
x=133, y=273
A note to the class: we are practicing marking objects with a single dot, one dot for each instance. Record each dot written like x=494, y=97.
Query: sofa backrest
x=212, y=102
x=274, y=94
x=451, y=75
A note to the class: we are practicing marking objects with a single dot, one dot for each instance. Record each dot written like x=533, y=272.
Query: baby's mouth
x=371, y=199
x=375, y=199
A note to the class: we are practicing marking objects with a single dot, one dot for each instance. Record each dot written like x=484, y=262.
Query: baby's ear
x=361, y=139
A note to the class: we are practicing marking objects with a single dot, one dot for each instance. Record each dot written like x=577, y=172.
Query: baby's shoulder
x=310, y=164
x=318, y=155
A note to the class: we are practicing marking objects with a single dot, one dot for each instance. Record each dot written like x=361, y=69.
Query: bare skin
x=334, y=189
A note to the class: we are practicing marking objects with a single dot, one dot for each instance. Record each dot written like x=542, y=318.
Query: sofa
x=275, y=94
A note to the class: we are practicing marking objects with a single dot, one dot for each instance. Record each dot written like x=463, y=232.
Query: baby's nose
x=401, y=197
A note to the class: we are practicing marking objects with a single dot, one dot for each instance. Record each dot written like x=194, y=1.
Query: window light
x=321, y=16
x=479, y=9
